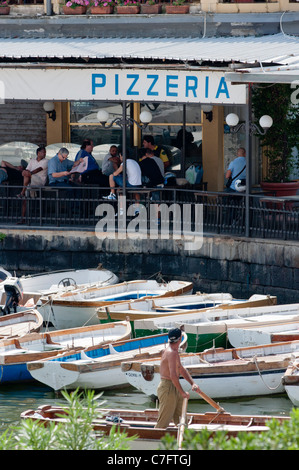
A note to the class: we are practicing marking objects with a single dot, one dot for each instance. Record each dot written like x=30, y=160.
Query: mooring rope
x=257, y=367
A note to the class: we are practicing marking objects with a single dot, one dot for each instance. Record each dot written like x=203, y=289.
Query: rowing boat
x=15, y=353
x=155, y=308
x=141, y=423
x=290, y=380
x=78, y=307
x=34, y=285
x=254, y=335
x=22, y=322
x=223, y=373
x=211, y=327
x=98, y=368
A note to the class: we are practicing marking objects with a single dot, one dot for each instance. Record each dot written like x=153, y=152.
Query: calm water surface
x=17, y=398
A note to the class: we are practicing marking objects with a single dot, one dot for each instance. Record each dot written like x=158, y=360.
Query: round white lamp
x=48, y=106
x=102, y=116
x=232, y=120
x=266, y=121
x=145, y=117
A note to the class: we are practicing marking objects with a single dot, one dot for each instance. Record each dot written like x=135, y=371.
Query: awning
x=278, y=49
x=286, y=74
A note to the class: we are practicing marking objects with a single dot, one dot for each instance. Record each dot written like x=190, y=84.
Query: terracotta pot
x=128, y=10
x=177, y=9
x=4, y=10
x=151, y=9
x=79, y=10
x=108, y=10
x=280, y=190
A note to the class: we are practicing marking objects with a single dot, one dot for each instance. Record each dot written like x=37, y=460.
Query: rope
x=257, y=367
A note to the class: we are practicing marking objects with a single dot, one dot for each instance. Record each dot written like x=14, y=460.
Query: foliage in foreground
x=76, y=433
x=281, y=436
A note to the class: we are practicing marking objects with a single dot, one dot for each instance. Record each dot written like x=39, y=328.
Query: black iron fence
x=83, y=207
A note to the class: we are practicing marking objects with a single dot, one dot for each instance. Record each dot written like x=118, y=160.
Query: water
x=15, y=399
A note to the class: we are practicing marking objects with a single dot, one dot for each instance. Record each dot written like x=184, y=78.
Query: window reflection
x=167, y=123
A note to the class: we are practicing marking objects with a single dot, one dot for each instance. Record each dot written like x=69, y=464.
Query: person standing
x=237, y=169
x=170, y=392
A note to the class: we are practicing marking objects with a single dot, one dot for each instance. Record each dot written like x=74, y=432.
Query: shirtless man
x=170, y=391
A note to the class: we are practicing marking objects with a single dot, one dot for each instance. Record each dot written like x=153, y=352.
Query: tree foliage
x=279, y=141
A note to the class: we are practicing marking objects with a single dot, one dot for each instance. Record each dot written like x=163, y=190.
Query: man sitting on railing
x=36, y=171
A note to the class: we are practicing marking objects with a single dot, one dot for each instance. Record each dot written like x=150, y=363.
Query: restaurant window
x=166, y=124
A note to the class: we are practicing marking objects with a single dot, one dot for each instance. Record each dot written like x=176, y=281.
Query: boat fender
x=112, y=350
x=147, y=372
x=114, y=419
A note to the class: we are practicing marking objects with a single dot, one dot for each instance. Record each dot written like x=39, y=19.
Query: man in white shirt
x=133, y=179
x=36, y=172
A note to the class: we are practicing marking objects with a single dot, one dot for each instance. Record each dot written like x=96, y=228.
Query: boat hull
x=98, y=368
x=290, y=381
x=229, y=373
x=220, y=387
x=16, y=353
x=78, y=308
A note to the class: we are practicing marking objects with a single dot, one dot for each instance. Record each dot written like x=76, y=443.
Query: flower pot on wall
x=128, y=10
x=4, y=10
x=151, y=9
x=177, y=9
x=280, y=190
x=108, y=10
x=79, y=10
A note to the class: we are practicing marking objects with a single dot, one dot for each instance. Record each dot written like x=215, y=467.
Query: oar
x=211, y=401
x=182, y=424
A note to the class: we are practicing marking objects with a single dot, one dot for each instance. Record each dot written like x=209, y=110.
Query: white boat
x=290, y=381
x=101, y=369
x=15, y=353
x=184, y=304
x=254, y=335
x=210, y=327
x=35, y=285
x=225, y=373
x=79, y=307
x=23, y=322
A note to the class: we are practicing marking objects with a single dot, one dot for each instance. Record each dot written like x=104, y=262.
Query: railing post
x=248, y=161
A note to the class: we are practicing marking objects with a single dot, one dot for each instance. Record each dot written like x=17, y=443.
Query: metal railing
x=78, y=208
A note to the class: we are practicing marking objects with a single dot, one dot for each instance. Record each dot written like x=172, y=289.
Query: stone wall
x=239, y=266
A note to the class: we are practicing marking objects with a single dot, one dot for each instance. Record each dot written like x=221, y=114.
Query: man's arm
x=173, y=359
x=189, y=379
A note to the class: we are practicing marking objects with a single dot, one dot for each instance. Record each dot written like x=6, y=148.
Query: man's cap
x=174, y=335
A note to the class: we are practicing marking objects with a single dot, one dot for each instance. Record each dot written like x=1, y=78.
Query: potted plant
x=151, y=7
x=128, y=7
x=102, y=7
x=4, y=7
x=177, y=7
x=75, y=7
x=281, y=139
